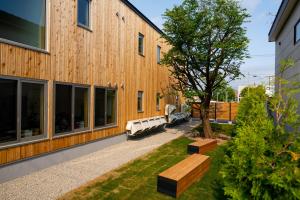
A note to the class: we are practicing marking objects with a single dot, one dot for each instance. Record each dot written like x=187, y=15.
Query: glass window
x=63, y=108
x=22, y=113
x=158, y=101
x=111, y=107
x=81, y=119
x=158, y=54
x=32, y=120
x=140, y=101
x=84, y=12
x=24, y=22
x=99, y=107
x=8, y=114
x=297, y=32
x=141, y=44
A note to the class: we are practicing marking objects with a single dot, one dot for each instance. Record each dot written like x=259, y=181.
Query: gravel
x=57, y=180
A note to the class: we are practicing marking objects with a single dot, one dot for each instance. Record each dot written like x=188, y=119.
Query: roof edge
x=280, y=11
x=141, y=15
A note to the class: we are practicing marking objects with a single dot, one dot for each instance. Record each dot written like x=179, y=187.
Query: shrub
x=262, y=160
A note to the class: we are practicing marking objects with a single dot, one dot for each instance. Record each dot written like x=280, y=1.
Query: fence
x=220, y=111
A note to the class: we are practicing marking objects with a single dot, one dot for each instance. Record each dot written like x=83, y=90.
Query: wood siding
x=106, y=55
x=222, y=111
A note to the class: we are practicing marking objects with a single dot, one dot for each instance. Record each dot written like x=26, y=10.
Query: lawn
x=137, y=179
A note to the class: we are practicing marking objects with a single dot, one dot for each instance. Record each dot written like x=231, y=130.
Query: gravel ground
x=53, y=182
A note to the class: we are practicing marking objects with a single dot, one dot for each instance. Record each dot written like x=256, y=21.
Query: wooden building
x=72, y=72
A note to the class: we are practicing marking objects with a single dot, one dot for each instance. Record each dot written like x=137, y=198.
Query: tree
x=263, y=161
x=224, y=93
x=208, y=44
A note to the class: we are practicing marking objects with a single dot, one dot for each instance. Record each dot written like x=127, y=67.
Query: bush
x=261, y=161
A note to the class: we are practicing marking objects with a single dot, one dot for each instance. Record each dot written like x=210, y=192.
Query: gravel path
x=53, y=182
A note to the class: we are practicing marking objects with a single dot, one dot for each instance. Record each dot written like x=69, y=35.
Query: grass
x=226, y=129
x=137, y=179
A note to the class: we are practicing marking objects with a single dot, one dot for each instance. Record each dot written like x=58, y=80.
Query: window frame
x=30, y=139
x=295, y=32
x=47, y=34
x=73, y=131
x=89, y=27
x=115, y=124
x=140, y=35
x=158, y=54
x=142, y=110
x=157, y=105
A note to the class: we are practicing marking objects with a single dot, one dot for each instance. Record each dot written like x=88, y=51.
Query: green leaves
x=262, y=161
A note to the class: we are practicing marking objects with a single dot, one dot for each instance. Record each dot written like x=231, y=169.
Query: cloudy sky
x=261, y=64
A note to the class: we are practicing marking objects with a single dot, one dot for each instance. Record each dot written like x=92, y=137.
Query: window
x=158, y=54
x=140, y=101
x=84, y=13
x=141, y=44
x=23, y=110
x=158, y=101
x=71, y=108
x=111, y=104
x=105, y=107
x=297, y=32
x=32, y=120
x=24, y=22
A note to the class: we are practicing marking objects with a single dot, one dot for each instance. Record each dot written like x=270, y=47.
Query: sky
x=262, y=62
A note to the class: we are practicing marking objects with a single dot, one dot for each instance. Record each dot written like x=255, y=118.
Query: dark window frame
x=84, y=26
x=158, y=54
x=21, y=140
x=73, y=131
x=142, y=48
x=142, y=101
x=47, y=33
x=105, y=113
x=296, y=40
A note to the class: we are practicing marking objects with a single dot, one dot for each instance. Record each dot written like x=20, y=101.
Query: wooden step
x=178, y=178
x=202, y=146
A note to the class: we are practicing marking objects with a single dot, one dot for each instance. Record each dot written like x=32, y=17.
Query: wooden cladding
x=107, y=57
x=218, y=111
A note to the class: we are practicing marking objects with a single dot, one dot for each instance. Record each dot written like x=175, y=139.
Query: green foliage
x=224, y=93
x=208, y=45
x=262, y=161
x=226, y=129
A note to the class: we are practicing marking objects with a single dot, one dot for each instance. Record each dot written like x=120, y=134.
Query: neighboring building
x=72, y=72
x=285, y=32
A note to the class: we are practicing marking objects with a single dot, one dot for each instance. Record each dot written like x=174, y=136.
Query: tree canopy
x=208, y=44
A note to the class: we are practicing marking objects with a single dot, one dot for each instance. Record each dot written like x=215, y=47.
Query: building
x=285, y=32
x=73, y=72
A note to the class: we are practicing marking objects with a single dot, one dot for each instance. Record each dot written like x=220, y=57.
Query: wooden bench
x=202, y=146
x=178, y=178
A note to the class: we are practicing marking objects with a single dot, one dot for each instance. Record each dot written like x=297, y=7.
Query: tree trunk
x=205, y=119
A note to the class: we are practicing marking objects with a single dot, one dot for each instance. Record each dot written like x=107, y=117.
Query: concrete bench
x=178, y=178
x=202, y=146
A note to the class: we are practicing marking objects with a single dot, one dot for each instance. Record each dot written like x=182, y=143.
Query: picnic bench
x=178, y=178
x=202, y=146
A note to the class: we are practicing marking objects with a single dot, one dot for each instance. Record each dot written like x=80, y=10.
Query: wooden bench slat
x=202, y=146
x=179, y=177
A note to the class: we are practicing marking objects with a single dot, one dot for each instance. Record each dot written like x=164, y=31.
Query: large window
x=24, y=22
x=141, y=44
x=297, y=32
x=105, y=107
x=23, y=110
x=140, y=101
x=158, y=54
x=71, y=108
x=83, y=15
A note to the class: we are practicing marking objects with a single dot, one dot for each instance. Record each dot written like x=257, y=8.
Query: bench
x=202, y=146
x=178, y=178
